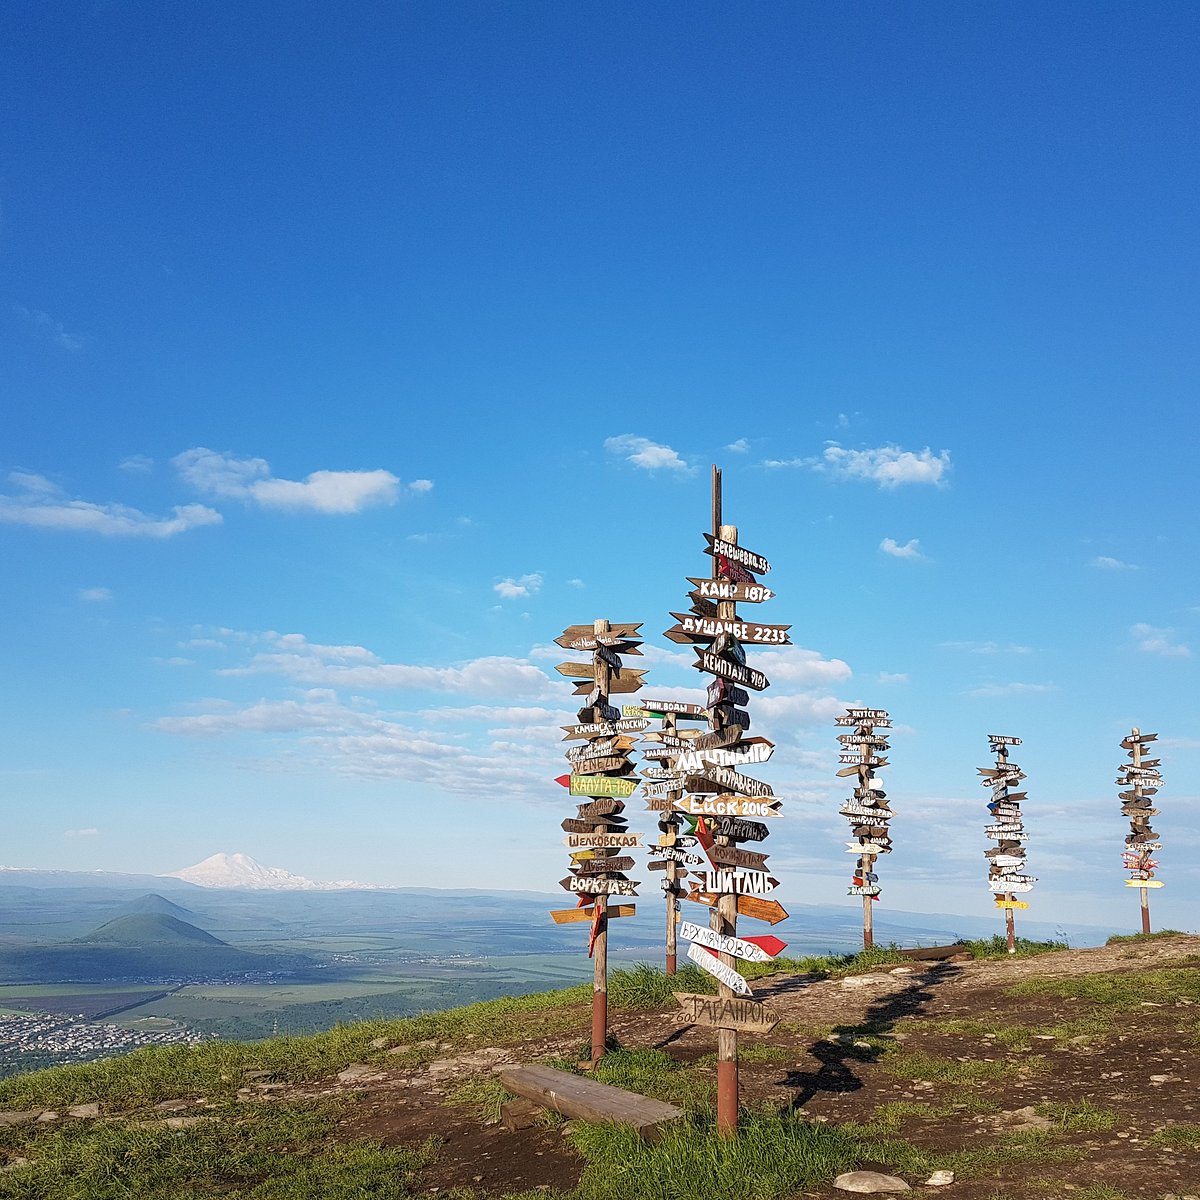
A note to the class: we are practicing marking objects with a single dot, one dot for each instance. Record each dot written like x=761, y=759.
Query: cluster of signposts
x=1006, y=860
x=867, y=810
x=1140, y=780
x=601, y=771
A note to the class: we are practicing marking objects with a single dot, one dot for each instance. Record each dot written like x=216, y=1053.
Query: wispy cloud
x=41, y=504
x=95, y=595
x=741, y=446
x=910, y=549
x=137, y=464
x=1104, y=563
x=893, y=677
x=986, y=647
x=50, y=329
x=292, y=656
x=250, y=479
x=994, y=690
x=642, y=452
x=81, y=833
x=576, y=583
x=511, y=589
x=888, y=466
x=1152, y=640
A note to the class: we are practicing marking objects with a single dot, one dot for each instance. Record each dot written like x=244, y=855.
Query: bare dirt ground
x=1141, y=1068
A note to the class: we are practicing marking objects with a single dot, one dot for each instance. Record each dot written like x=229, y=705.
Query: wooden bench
x=587, y=1099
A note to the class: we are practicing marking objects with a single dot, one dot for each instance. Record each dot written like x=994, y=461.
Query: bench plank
x=587, y=1099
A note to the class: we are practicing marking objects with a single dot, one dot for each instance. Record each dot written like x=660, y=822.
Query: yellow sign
x=583, y=855
x=1012, y=903
x=1144, y=883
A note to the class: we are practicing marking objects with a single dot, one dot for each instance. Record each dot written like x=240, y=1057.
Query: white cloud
x=642, y=452
x=986, y=647
x=893, y=677
x=41, y=504
x=95, y=595
x=294, y=657
x=910, y=549
x=49, y=328
x=798, y=665
x=138, y=464
x=526, y=585
x=1152, y=640
x=995, y=690
x=741, y=446
x=250, y=479
x=576, y=583
x=888, y=466
x=81, y=833
x=1104, y=563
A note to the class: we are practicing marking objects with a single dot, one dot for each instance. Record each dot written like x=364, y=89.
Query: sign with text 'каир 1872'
x=727, y=589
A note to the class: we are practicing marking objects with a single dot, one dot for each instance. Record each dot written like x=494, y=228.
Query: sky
x=350, y=352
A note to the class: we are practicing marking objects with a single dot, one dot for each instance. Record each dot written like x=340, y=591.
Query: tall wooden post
x=600, y=773
x=867, y=902
x=1006, y=860
x=1140, y=776
x=670, y=726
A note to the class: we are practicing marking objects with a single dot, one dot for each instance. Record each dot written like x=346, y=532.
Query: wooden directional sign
x=599, y=887
x=1147, y=883
x=600, y=764
x=571, y=916
x=680, y=856
x=721, y=691
x=576, y=670
x=739, y=830
x=627, y=681
x=736, y=554
x=739, y=881
x=604, y=807
x=693, y=628
x=756, y=907
x=717, y=777
x=726, y=806
x=746, y=1016
x=1002, y=885
x=725, y=589
x=749, y=750
x=622, y=630
x=604, y=728
x=607, y=840
x=679, y=707
x=863, y=889
x=598, y=866
x=727, y=975
x=714, y=664
x=1002, y=903
x=723, y=943
x=731, y=856
x=1139, y=739
x=601, y=785
x=717, y=739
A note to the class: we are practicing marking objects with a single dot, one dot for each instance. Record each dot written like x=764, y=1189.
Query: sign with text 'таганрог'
x=729, y=1012
x=718, y=970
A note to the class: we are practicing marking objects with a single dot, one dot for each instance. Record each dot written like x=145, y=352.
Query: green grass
x=1081, y=1116
x=889, y=1117
x=484, y=1094
x=1176, y=1137
x=646, y=986
x=656, y=1074
x=277, y=1152
x=1119, y=939
x=997, y=947
x=1120, y=991
x=916, y=1064
x=999, y=1033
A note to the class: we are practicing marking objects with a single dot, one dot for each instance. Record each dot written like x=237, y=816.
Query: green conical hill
x=149, y=929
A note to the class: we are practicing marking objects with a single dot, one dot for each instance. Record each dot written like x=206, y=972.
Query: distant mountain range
x=242, y=871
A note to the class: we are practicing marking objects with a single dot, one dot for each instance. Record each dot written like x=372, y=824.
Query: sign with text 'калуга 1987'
x=725, y=589
x=718, y=970
x=601, y=785
x=738, y=554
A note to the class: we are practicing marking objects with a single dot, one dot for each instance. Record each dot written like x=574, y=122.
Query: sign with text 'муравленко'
x=571, y=916
x=726, y=589
x=730, y=1012
x=736, y=554
x=718, y=970
x=714, y=664
x=714, y=778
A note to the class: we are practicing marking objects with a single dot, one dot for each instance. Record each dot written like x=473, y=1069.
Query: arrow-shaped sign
x=727, y=975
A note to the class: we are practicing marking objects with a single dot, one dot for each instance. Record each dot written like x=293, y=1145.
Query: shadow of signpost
x=863, y=1042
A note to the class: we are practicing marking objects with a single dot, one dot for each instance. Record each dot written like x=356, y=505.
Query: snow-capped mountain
x=242, y=871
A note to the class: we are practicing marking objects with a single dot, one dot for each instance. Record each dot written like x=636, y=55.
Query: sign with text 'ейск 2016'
x=725, y=806
x=738, y=554
x=718, y=970
x=714, y=664
x=725, y=589
x=724, y=943
x=746, y=1016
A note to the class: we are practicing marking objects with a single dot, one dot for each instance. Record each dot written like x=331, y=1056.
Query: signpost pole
x=1137, y=762
x=670, y=727
x=724, y=919
x=868, y=912
x=1010, y=925
x=603, y=676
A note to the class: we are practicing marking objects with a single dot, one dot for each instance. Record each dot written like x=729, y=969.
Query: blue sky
x=348, y=353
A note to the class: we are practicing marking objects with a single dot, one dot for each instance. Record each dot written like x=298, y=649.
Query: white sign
x=723, y=943
x=718, y=970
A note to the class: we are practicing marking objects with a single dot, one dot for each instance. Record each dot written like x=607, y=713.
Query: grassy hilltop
x=1065, y=1071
